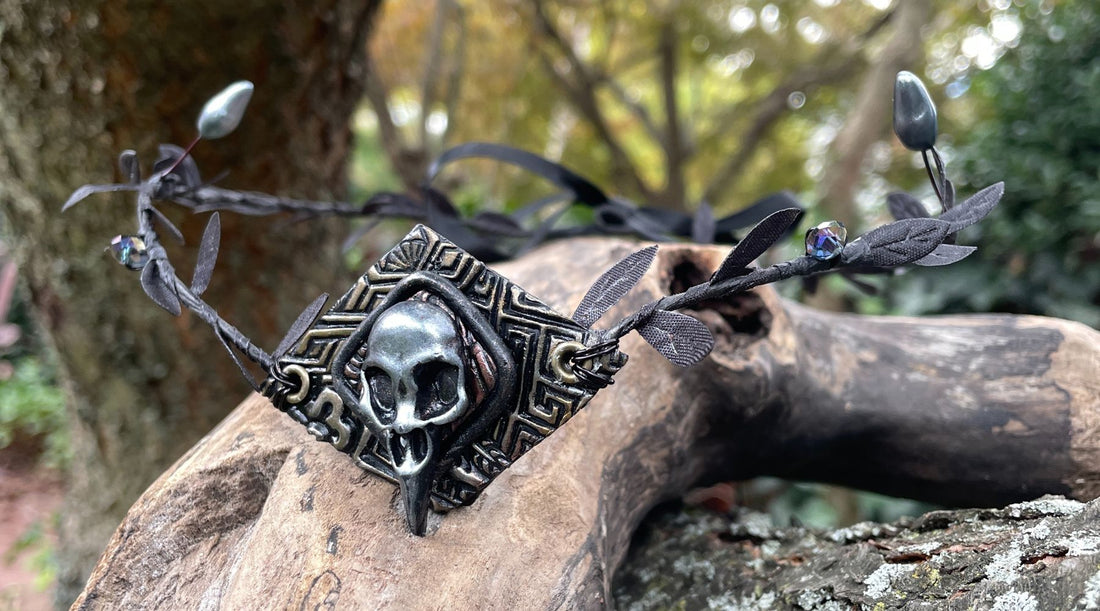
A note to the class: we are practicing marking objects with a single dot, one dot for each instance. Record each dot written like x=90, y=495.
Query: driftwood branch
x=976, y=411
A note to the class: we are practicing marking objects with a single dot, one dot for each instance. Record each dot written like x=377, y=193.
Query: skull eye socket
x=381, y=394
x=438, y=383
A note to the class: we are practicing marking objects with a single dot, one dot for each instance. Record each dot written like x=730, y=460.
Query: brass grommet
x=560, y=360
x=303, y=388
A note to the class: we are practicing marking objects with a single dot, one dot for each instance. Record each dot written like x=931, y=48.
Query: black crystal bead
x=915, y=120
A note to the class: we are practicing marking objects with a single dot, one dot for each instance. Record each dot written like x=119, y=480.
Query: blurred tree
x=1040, y=133
x=81, y=80
x=670, y=103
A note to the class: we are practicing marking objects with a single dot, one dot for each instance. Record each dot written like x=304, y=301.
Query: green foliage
x=825, y=506
x=39, y=551
x=31, y=405
x=1039, y=250
x=731, y=60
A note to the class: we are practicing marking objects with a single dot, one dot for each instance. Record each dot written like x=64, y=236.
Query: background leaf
x=905, y=206
x=703, y=224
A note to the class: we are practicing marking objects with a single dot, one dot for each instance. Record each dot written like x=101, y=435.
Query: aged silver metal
x=428, y=302
x=412, y=385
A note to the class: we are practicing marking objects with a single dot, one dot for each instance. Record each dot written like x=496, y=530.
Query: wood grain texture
x=980, y=410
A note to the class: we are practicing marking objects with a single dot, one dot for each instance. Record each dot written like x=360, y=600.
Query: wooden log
x=975, y=410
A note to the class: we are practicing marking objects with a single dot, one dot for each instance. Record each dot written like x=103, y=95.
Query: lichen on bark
x=1042, y=554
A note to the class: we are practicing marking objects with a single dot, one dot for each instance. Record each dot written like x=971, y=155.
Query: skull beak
x=415, y=491
x=412, y=455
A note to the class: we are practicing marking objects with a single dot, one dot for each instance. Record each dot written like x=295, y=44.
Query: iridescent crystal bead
x=826, y=240
x=130, y=251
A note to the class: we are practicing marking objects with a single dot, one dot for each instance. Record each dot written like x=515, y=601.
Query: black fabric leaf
x=393, y=204
x=541, y=232
x=495, y=222
x=83, y=192
x=864, y=287
x=613, y=285
x=703, y=225
x=443, y=217
x=129, y=166
x=948, y=193
x=165, y=223
x=898, y=243
x=208, y=254
x=618, y=216
x=533, y=208
x=945, y=254
x=438, y=204
x=679, y=338
x=810, y=284
x=236, y=359
x=643, y=224
x=664, y=221
x=351, y=240
x=756, y=212
x=905, y=206
x=187, y=170
x=304, y=320
x=158, y=291
x=975, y=208
x=760, y=239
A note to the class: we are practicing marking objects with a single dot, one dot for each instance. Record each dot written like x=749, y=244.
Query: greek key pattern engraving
x=530, y=330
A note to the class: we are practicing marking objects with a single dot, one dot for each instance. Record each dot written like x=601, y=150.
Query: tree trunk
x=84, y=79
x=979, y=410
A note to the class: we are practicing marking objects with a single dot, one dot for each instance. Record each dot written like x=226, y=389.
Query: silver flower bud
x=222, y=113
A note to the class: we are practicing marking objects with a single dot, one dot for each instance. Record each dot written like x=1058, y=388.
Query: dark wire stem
x=207, y=198
x=939, y=179
x=186, y=152
x=159, y=256
x=702, y=293
x=941, y=171
x=932, y=178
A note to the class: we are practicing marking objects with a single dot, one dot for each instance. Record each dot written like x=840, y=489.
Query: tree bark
x=82, y=80
x=977, y=410
x=1034, y=555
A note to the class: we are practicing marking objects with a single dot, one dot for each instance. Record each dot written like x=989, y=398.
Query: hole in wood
x=736, y=321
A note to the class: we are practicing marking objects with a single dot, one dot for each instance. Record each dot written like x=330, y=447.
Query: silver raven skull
x=413, y=386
